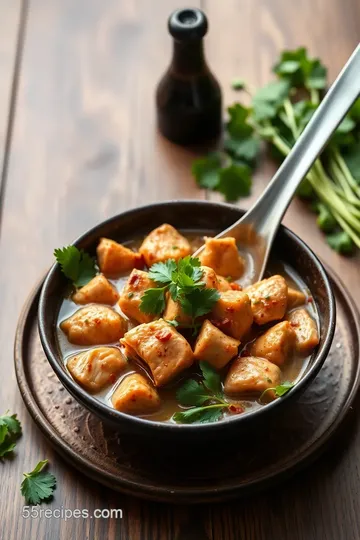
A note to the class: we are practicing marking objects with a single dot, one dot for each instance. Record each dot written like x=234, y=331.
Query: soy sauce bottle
x=188, y=97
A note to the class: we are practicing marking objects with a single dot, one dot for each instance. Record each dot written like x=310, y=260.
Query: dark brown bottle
x=188, y=97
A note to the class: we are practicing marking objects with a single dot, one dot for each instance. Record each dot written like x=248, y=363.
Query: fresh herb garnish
x=183, y=281
x=279, y=390
x=38, y=485
x=10, y=431
x=205, y=397
x=278, y=114
x=76, y=265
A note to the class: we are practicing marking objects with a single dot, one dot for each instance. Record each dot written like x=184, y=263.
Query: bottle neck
x=188, y=57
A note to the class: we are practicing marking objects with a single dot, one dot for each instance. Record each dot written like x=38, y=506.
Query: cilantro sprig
x=277, y=115
x=38, y=485
x=76, y=265
x=279, y=390
x=205, y=398
x=10, y=431
x=182, y=280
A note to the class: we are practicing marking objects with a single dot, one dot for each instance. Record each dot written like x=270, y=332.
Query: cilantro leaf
x=325, y=220
x=206, y=170
x=200, y=415
x=268, y=99
x=10, y=430
x=235, y=182
x=199, y=302
x=244, y=149
x=75, y=264
x=300, y=70
x=341, y=242
x=238, y=84
x=192, y=393
x=161, y=272
x=212, y=379
x=279, y=390
x=237, y=126
x=37, y=485
x=153, y=301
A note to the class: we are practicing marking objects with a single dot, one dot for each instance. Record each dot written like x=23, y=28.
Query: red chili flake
x=230, y=309
x=223, y=323
x=310, y=299
x=139, y=261
x=235, y=286
x=163, y=335
x=236, y=409
x=295, y=324
x=112, y=378
x=89, y=367
x=97, y=321
x=134, y=279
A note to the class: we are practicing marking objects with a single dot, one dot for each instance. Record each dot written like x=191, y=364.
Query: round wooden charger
x=253, y=462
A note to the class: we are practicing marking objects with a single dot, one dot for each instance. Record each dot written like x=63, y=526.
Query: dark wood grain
x=84, y=147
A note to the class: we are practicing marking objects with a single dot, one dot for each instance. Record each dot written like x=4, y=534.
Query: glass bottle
x=188, y=97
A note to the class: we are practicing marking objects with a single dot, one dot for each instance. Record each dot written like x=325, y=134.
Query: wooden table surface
x=77, y=145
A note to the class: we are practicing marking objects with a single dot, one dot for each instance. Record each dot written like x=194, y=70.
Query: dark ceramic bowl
x=204, y=217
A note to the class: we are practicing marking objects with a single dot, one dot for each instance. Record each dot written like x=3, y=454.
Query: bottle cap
x=186, y=24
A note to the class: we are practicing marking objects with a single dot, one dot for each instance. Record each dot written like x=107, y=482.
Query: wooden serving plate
x=254, y=462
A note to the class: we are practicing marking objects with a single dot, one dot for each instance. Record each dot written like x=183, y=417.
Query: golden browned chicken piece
x=305, y=328
x=161, y=347
x=209, y=277
x=130, y=296
x=295, y=298
x=250, y=374
x=98, y=291
x=268, y=299
x=215, y=347
x=135, y=395
x=115, y=259
x=276, y=344
x=94, y=325
x=223, y=284
x=164, y=243
x=96, y=368
x=232, y=313
x=222, y=255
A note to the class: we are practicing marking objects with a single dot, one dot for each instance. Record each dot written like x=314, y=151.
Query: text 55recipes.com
x=34, y=512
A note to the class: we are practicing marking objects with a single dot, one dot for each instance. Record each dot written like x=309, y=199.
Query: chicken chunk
x=115, y=259
x=130, y=296
x=135, y=395
x=232, y=313
x=250, y=374
x=98, y=291
x=222, y=255
x=215, y=347
x=268, y=299
x=223, y=284
x=164, y=243
x=96, y=368
x=276, y=344
x=209, y=277
x=295, y=298
x=94, y=325
x=162, y=348
x=305, y=328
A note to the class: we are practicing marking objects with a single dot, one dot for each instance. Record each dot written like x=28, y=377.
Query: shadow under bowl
x=202, y=216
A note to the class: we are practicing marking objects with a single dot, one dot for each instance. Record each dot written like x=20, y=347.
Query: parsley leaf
x=199, y=302
x=192, y=393
x=200, y=415
x=300, y=70
x=235, y=182
x=268, y=99
x=162, y=272
x=279, y=390
x=153, y=301
x=76, y=265
x=206, y=170
x=237, y=126
x=10, y=430
x=37, y=485
x=212, y=379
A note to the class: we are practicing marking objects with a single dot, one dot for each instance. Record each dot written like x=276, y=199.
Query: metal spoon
x=259, y=225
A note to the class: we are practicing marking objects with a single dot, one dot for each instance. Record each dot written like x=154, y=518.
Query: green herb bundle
x=278, y=114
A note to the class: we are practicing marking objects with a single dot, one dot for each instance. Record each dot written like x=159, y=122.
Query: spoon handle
x=269, y=209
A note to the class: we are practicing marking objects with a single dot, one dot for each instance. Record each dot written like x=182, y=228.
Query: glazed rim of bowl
x=105, y=411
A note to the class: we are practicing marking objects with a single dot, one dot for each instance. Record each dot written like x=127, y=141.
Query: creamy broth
x=291, y=371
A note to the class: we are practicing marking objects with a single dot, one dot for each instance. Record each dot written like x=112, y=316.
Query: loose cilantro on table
x=76, y=265
x=37, y=485
x=182, y=280
x=205, y=398
x=10, y=431
x=278, y=114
